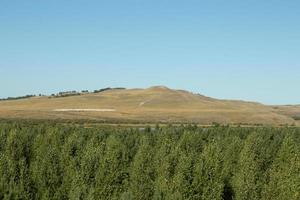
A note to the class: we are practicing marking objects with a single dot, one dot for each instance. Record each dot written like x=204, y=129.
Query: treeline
x=17, y=98
x=62, y=94
x=108, y=88
x=66, y=94
x=76, y=93
x=48, y=161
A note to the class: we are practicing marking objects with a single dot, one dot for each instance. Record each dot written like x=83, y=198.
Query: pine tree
x=284, y=181
x=113, y=170
x=208, y=182
x=142, y=173
x=251, y=175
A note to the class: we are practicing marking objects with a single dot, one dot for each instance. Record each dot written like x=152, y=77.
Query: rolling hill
x=155, y=104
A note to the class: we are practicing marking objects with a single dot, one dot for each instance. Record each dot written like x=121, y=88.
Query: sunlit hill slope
x=155, y=104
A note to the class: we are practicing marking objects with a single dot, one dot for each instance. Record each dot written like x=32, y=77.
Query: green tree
x=208, y=182
x=142, y=173
x=253, y=165
x=113, y=172
x=284, y=181
x=46, y=170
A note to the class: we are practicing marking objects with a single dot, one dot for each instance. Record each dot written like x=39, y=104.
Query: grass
x=296, y=118
x=154, y=105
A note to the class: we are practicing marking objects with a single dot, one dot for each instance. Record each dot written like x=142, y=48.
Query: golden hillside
x=155, y=104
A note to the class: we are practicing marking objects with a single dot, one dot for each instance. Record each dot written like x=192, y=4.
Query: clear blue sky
x=242, y=49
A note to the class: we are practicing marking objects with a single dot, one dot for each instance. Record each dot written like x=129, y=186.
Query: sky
x=231, y=49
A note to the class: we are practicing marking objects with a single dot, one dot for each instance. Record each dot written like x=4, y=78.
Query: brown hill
x=292, y=111
x=155, y=104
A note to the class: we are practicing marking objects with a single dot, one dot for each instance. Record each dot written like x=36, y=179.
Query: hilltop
x=154, y=104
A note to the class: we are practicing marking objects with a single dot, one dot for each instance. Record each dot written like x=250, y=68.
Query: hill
x=155, y=104
x=292, y=111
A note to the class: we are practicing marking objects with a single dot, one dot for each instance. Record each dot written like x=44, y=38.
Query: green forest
x=64, y=161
